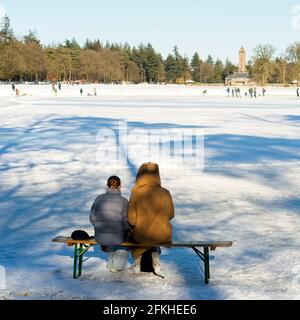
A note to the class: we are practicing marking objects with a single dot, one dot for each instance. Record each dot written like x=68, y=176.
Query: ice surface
x=51, y=170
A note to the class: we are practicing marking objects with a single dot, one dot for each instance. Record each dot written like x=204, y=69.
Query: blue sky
x=215, y=27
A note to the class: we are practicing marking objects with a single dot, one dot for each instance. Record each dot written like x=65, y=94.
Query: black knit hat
x=80, y=235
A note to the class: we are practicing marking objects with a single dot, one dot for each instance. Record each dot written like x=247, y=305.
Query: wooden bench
x=83, y=246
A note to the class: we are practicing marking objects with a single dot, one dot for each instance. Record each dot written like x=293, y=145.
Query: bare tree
x=263, y=62
x=293, y=55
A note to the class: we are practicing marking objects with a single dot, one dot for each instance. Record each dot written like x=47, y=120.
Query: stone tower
x=242, y=66
x=242, y=76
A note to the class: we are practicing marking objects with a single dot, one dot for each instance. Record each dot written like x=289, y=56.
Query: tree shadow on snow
x=33, y=211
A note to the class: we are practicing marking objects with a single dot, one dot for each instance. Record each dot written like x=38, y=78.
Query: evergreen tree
x=68, y=56
x=6, y=32
x=170, y=68
x=210, y=60
x=249, y=68
x=185, y=65
x=161, y=68
x=275, y=74
x=31, y=37
x=139, y=57
x=71, y=44
x=178, y=63
x=93, y=45
x=219, y=72
x=229, y=68
x=208, y=70
x=196, y=66
x=152, y=64
x=181, y=66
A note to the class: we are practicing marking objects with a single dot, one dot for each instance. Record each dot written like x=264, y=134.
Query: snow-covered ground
x=248, y=191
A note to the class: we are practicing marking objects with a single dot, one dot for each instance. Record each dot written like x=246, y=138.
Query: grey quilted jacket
x=109, y=218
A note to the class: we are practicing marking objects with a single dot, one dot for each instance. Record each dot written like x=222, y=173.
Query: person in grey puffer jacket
x=109, y=216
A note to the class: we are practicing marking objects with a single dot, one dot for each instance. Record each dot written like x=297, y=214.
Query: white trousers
x=118, y=260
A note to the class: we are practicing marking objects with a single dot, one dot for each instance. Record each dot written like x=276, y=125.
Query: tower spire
x=242, y=60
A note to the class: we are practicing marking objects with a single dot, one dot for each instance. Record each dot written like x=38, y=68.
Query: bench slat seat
x=82, y=246
x=92, y=242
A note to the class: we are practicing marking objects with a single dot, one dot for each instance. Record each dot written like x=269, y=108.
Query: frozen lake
x=246, y=189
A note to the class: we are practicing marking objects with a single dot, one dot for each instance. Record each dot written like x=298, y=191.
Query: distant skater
x=81, y=91
x=255, y=93
x=17, y=93
x=298, y=92
x=95, y=92
x=263, y=91
x=205, y=92
x=251, y=92
x=13, y=87
x=238, y=92
x=228, y=92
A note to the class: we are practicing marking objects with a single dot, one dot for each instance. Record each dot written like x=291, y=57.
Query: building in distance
x=242, y=76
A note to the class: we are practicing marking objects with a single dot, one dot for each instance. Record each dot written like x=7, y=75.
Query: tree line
x=26, y=59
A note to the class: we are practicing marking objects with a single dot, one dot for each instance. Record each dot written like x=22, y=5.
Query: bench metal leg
x=75, y=261
x=206, y=265
x=205, y=258
x=79, y=252
x=80, y=260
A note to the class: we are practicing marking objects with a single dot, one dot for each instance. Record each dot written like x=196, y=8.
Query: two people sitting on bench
x=144, y=220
